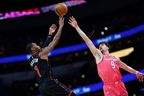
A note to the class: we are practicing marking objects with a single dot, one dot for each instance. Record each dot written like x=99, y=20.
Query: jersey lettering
x=34, y=61
x=113, y=64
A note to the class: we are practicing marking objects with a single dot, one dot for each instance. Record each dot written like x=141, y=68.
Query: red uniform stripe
x=37, y=70
x=70, y=93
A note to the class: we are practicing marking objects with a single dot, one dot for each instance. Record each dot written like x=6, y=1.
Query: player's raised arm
x=96, y=52
x=56, y=38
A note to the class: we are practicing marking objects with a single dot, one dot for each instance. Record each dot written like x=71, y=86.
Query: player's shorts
x=115, y=89
x=54, y=88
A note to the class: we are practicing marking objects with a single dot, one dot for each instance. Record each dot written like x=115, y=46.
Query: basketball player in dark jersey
x=48, y=85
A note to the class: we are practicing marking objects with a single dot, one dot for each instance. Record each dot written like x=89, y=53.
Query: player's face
x=103, y=47
x=35, y=48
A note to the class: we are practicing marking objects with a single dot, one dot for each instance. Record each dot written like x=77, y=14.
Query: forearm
x=128, y=68
x=82, y=34
x=55, y=39
x=58, y=35
x=91, y=46
x=131, y=70
x=51, y=46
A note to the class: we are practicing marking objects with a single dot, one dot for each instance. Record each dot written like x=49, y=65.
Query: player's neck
x=36, y=55
x=106, y=53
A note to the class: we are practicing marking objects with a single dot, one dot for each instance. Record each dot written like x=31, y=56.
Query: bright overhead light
x=102, y=33
x=106, y=28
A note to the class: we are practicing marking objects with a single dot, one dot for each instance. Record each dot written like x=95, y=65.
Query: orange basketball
x=61, y=9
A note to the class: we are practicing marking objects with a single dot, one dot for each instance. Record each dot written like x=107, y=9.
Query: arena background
x=119, y=22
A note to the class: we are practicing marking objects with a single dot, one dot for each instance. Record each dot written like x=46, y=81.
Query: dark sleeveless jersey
x=42, y=68
x=48, y=86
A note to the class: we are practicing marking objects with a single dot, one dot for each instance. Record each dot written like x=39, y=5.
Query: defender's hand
x=73, y=22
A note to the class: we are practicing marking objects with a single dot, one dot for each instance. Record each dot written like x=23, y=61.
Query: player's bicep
x=122, y=65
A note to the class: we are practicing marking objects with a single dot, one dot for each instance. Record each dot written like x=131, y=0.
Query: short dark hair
x=103, y=42
x=28, y=47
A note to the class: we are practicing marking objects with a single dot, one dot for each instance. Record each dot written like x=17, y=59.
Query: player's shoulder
x=116, y=57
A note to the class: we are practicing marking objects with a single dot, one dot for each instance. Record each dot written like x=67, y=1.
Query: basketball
x=61, y=9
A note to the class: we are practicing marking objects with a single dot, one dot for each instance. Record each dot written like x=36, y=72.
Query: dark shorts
x=54, y=88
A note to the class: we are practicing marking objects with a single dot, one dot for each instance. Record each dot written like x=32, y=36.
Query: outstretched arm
x=96, y=52
x=56, y=38
x=131, y=70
